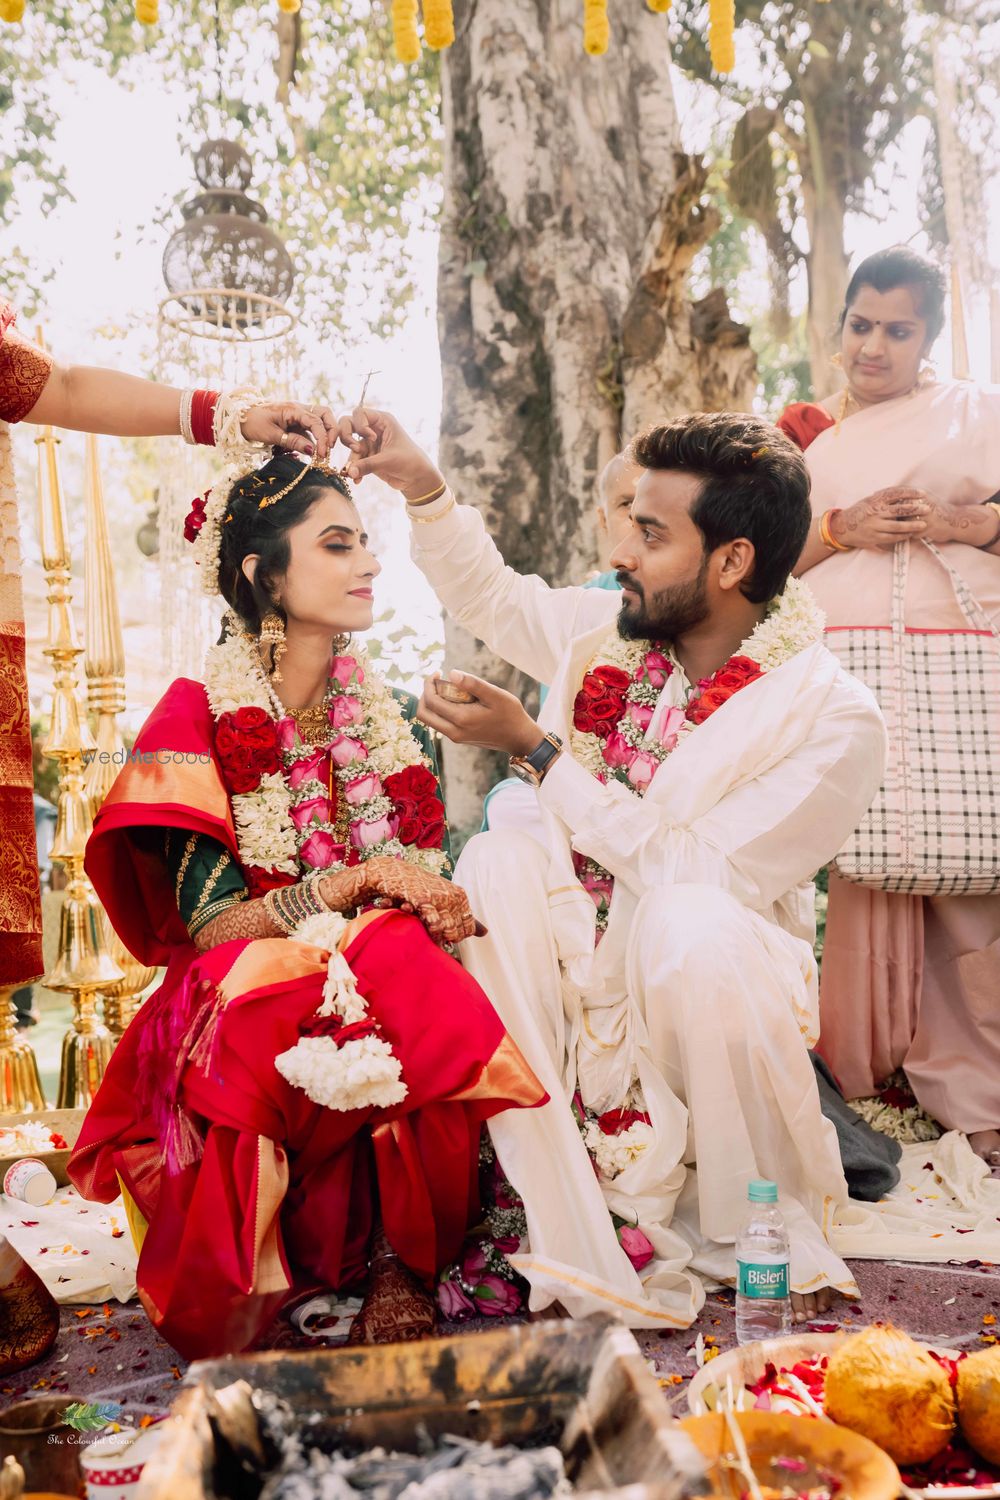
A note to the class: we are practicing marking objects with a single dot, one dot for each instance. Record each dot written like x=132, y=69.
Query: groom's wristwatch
x=532, y=768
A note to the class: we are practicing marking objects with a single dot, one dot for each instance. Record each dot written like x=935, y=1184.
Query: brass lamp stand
x=84, y=966
x=104, y=666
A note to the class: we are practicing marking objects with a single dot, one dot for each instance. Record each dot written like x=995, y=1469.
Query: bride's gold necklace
x=313, y=723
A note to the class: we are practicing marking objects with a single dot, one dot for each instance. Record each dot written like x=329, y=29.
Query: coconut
x=979, y=1401
x=884, y=1386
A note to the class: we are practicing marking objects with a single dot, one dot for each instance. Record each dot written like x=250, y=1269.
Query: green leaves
x=347, y=170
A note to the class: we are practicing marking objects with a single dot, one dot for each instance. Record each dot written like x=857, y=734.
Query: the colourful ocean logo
x=92, y=1416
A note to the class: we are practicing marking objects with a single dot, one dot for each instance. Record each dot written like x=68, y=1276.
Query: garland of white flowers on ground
x=282, y=813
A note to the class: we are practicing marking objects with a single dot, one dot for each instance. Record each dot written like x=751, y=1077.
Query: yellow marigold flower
x=660, y=6
x=596, y=30
x=147, y=12
x=11, y=10
x=439, y=24
x=721, y=25
x=290, y=7
x=404, y=30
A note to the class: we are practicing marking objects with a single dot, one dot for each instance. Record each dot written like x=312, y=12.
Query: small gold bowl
x=452, y=693
x=864, y=1471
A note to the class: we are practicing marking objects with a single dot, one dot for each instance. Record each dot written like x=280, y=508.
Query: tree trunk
x=823, y=157
x=570, y=221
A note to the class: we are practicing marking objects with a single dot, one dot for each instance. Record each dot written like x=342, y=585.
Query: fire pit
x=582, y=1388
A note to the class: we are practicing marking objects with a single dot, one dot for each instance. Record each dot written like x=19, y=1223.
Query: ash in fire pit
x=452, y=1469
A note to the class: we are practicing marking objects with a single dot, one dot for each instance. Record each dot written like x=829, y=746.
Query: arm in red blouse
x=803, y=422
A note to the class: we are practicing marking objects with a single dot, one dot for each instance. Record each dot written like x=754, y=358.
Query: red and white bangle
x=198, y=417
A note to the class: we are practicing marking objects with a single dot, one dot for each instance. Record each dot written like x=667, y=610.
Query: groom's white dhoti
x=704, y=986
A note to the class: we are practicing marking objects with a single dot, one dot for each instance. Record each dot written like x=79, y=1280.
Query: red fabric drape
x=24, y=371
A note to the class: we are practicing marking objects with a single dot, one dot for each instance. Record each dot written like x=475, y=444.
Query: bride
x=299, y=1106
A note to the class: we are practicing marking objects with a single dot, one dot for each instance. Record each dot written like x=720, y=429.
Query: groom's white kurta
x=704, y=984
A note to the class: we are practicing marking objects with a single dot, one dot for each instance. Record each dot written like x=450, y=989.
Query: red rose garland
x=617, y=709
x=251, y=744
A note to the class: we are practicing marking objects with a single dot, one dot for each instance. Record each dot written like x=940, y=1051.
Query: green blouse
x=208, y=881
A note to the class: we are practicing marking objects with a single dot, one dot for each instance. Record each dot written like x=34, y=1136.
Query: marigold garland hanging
x=439, y=24
x=11, y=11
x=147, y=12
x=721, y=30
x=659, y=6
x=596, y=31
x=290, y=7
x=404, y=30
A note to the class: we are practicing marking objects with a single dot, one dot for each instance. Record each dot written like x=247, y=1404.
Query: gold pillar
x=83, y=966
x=20, y=1085
x=104, y=665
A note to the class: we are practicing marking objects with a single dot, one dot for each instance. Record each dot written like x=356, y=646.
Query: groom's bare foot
x=809, y=1305
x=986, y=1143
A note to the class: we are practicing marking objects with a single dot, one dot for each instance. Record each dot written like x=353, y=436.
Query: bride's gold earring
x=837, y=360
x=926, y=377
x=272, y=644
x=340, y=644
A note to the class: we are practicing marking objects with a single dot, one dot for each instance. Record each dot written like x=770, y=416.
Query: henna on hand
x=244, y=919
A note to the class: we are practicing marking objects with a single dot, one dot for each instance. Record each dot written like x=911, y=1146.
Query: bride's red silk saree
x=249, y=1191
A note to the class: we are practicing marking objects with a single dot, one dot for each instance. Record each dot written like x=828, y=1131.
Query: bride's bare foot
x=397, y=1307
x=986, y=1143
x=809, y=1305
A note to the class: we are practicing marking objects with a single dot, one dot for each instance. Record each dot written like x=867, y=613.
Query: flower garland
x=482, y=1281
x=341, y=1060
x=614, y=710
x=596, y=30
x=404, y=30
x=439, y=24
x=721, y=30
x=298, y=807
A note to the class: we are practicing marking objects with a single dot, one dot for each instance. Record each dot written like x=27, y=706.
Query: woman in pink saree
x=908, y=981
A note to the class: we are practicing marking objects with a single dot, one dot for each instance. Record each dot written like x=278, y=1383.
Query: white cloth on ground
x=82, y=1251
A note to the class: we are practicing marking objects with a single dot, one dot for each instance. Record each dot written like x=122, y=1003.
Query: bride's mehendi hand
x=244, y=919
x=345, y=889
x=380, y=446
x=441, y=906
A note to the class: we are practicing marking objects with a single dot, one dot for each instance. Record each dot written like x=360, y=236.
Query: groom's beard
x=667, y=615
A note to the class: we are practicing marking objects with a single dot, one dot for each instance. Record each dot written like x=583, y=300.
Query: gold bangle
x=434, y=494
x=429, y=520
x=827, y=537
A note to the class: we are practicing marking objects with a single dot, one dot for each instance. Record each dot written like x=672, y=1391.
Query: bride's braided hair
x=253, y=526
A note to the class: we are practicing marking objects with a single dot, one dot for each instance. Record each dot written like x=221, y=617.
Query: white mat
x=946, y=1207
x=82, y=1251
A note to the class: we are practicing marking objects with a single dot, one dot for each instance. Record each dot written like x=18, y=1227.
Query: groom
x=700, y=756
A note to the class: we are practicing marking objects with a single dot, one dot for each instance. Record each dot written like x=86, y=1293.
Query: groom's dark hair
x=754, y=485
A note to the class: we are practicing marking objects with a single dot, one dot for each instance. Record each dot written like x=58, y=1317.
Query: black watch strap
x=538, y=762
